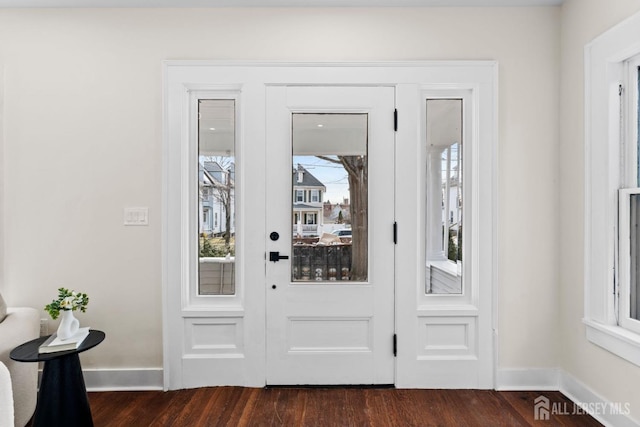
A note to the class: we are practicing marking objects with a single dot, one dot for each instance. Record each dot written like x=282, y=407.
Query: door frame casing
x=248, y=80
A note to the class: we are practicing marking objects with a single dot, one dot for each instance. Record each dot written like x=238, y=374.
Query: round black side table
x=62, y=398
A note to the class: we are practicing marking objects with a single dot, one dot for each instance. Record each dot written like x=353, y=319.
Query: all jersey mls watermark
x=543, y=408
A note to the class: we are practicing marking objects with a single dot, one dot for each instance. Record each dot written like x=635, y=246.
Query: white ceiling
x=270, y=3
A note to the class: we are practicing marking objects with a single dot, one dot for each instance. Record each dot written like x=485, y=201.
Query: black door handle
x=275, y=256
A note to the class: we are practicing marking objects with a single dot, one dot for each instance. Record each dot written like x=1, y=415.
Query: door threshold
x=331, y=386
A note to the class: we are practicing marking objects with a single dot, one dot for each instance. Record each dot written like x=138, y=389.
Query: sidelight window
x=444, y=199
x=216, y=193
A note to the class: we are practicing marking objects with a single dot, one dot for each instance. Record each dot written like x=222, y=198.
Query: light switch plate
x=136, y=216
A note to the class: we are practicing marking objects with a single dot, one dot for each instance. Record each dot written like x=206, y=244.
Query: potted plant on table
x=67, y=302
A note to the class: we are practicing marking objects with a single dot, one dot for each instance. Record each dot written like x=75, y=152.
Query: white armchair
x=19, y=325
x=6, y=397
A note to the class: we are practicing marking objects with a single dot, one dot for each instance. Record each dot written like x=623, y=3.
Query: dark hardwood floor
x=237, y=406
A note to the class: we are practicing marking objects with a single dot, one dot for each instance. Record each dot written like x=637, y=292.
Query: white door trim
x=470, y=362
x=248, y=367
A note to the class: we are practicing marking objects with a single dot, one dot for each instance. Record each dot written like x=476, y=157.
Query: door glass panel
x=444, y=204
x=330, y=198
x=216, y=197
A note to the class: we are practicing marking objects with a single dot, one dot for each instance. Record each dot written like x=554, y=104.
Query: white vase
x=68, y=325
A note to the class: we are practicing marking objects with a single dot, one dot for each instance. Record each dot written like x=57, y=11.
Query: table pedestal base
x=62, y=399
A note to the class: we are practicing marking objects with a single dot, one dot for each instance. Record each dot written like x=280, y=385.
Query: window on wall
x=216, y=183
x=444, y=196
x=612, y=193
x=628, y=294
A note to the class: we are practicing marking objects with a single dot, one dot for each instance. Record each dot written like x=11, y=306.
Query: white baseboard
x=544, y=379
x=608, y=413
x=123, y=379
x=614, y=414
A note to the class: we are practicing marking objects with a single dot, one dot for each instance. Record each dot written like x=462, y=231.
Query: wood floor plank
x=171, y=414
x=318, y=407
x=561, y=408
x=439, y=410
x=242, y=415
x=281, y=409
x=324, y=406
x=355, y=408
x=379, y=415
x=404, y=405
x=204, y=407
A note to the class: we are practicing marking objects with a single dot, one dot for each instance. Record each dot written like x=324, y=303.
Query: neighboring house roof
x=308, y=180
x=303, y=206
x=205, y=176
x=214, y=169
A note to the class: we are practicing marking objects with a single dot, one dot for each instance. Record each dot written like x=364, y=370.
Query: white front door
x=330, y=296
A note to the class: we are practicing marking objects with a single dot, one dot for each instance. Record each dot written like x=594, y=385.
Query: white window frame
x=609, y=118
x=299, y=196
x=315, y=196
x=631, y=186
x=624, y=261
x=457, y=270
x=192, y=300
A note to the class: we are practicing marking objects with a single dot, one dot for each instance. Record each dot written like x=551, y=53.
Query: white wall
x=83, y=136
x=615, y=379
x=2, y=184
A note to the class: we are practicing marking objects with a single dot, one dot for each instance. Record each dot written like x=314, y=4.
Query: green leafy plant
x=216, y=250
x=67, y=300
